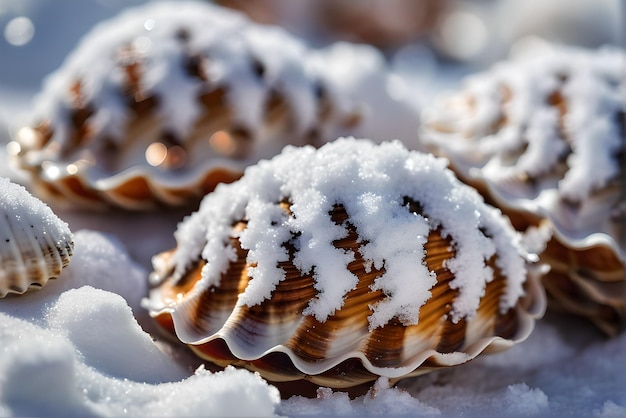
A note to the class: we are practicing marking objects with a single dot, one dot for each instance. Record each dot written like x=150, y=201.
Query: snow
x=79, y=342
x=591, y=82
x=29, y=229
x=19, y=207
x=45, y=372
x=80, y=349
x=74, y=349
x=17, y=202
x=371, y=181
x=162, y=56
x=49, y=367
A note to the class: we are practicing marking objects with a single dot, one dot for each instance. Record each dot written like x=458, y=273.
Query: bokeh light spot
x=19, y=31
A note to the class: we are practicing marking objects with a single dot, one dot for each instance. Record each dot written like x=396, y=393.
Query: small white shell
x=158, y=105
x=34, y=243
x=543, y=138
x=345, y=263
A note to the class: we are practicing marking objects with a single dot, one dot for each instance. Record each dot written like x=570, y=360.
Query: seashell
x=158, y=105
x=543, y=139
x=381, y=23
x=35, y=244
x=342, y=264
x=385, y=24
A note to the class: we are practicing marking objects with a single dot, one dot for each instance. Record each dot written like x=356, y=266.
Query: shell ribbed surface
x=35, y=245
x=543, y=138
x=158, y=105
x=343, y=264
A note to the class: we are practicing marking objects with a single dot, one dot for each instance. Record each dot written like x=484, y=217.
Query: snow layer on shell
x=593, y=88
x=359, y=73
x=154, y=31
x=93, y=359
x=371, y=182
x=34, y=242
x=19, y=207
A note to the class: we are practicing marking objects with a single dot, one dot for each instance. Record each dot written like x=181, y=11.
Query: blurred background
x=431, y=43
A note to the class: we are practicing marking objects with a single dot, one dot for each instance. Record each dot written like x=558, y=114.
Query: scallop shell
x=385, y=24
x=543, y=139
x=35, y=244
x=342, y=264
x=158, y=105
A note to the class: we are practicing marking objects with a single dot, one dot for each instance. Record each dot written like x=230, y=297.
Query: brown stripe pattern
x=342, y=351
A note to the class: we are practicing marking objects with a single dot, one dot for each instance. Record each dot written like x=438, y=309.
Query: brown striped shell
x=158, y=105
x=543, y=138
x=385, y=24
x=343, y=264
x=35, y=245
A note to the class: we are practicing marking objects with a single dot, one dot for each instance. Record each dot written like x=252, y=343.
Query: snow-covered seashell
x=543, y=137
x=345, y=263
x=158, y=105
x=35, y=244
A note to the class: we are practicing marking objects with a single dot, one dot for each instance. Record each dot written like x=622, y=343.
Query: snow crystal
x=372, y=182
x=610, y=410
x=520, y=400
x=380, y=400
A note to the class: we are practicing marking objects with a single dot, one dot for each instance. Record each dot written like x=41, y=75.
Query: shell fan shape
x=543, y=137
x=35, y=245
x=161, y=103
x=344, y=263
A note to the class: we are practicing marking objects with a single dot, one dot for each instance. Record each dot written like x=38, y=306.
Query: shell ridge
x=36, y=244
x=11, y=259
x=178, y=86
x=308, y=219
x=32, y=266
x=555, y=157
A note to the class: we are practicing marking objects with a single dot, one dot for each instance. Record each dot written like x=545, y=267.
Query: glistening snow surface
x=523, y=95
x=373, y=183
x=19, y=209
x=74, y=348
x=564, y=368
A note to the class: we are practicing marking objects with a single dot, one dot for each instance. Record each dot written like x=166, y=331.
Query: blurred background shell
x=35, y=245
x=158, y=105
x=543, y=137
x=382, y=23
x=345, y=263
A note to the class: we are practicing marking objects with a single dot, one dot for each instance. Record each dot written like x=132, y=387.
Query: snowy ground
x=83, y=346
x=75, y=348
